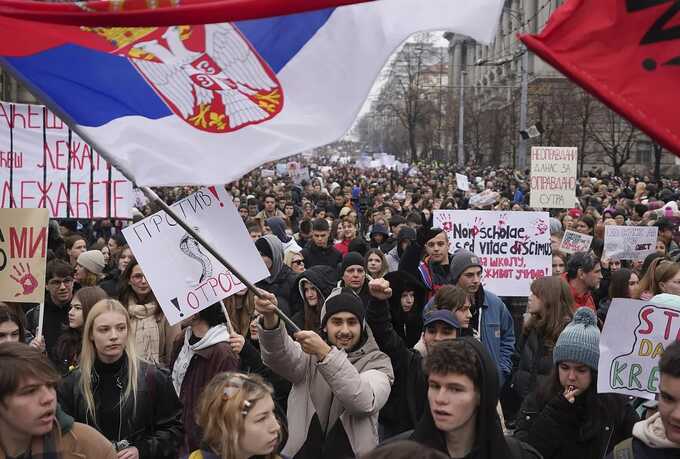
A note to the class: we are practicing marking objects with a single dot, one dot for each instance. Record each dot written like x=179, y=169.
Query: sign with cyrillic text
x=553, y=177
x=23, y=251
x=513, y=247
x=629, y=242
x=43, y=164
x=184, y=277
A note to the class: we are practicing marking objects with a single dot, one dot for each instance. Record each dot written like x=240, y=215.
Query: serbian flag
x=204, y=103
x=623, y=52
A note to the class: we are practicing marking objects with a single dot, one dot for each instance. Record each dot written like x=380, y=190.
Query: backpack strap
x=624, y=450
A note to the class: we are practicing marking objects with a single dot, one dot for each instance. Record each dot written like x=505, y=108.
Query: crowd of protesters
x=403, y=352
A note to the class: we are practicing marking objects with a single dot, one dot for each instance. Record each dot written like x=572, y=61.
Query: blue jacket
x=497, y=333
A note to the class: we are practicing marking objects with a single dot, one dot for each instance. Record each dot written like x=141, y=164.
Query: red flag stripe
x=137, y=14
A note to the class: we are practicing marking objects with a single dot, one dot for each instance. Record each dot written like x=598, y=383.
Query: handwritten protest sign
x=268, y=173
x=462, y=182
x=23, y=250
x=184, y=277
x=44, y=165
x=573, y=242
x=634, y=336
x=553, y=177
x=629, y=242
x=513, y=247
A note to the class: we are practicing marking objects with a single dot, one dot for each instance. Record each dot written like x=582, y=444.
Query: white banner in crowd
x=629, y=242
x=513, y=247
x=553, y=177
x=43, y=174
x=573, y=242
x=634, y=336
x=184, y=277
x=462, y=182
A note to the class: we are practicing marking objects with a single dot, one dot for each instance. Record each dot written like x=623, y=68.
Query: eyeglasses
x=298, y=262
x=57, y=282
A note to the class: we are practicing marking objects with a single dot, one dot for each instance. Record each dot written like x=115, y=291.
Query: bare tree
x=616, y=136
x=406, y=90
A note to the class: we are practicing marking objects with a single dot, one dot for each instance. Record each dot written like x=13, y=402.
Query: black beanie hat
x=351, y=259
x=343, y=300
x=264, y=248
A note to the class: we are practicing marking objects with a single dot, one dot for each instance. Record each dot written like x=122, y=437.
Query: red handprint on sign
x=25, y=279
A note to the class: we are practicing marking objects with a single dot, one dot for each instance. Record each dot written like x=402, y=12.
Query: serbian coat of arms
x=209, y=75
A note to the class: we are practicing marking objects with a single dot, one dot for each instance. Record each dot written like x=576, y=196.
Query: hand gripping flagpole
x=168, y=210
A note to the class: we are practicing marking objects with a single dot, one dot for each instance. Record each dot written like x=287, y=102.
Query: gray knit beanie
x=462, y=260
x=580, y=340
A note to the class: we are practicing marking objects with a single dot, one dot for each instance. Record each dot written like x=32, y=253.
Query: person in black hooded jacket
x=406, y=306
x=566, y=417
x=461, y=420
x=281, y=280
x=321, y=280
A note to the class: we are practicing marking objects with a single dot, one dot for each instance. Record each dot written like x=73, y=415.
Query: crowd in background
x=400, y=339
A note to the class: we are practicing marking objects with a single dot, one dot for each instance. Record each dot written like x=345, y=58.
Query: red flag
x=626, y=53
x=158, y=13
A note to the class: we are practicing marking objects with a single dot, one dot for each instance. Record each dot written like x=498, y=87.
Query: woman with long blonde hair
x=236, y=414
x=131, y=402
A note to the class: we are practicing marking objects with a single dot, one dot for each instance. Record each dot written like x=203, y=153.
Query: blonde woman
x=131, y=402
x=236, y=414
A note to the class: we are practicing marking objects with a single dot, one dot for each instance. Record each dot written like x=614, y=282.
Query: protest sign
x=634, y=336
x=268, y=173
x=281, y=169
x=629, y=242
x=553, y=177
x=45, y=165
x=184, y=277
x=23, y=250
x=513, y=247
x=462, y=182
x=573, y=242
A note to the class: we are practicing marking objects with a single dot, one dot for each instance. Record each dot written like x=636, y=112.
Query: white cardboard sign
x=513, y=247
x=184, y=277
x=553, y=177
x=462, y=182
x=634, y=336
x=629, y=242
x=573, y=242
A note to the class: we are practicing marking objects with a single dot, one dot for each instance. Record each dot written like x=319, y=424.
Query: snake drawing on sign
x=191, y=248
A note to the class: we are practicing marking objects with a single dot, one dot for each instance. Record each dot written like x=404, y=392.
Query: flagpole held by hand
x=168, y=210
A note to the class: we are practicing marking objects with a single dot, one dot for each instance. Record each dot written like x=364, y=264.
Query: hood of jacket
x=652, y=433
x=278, y=227
x=489, y=438
x=277, y=258
x=322, y=277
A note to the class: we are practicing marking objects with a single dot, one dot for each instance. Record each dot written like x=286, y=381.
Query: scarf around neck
x=216, y=334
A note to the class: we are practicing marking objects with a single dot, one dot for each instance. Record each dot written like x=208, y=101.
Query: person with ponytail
x=566, y=417
x=237, y=416
x=131, y=402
